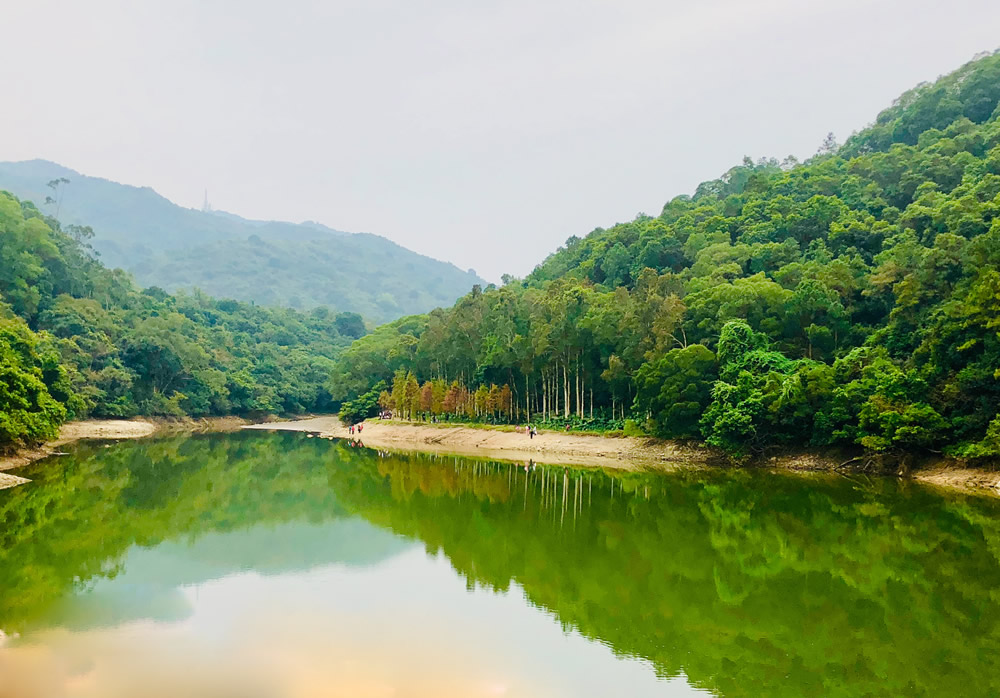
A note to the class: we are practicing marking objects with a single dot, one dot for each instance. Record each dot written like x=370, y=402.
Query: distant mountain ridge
x=299, y=265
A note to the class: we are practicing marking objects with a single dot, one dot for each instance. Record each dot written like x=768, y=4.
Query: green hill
x=853, y=299
x=78, y=339
x=270, y=263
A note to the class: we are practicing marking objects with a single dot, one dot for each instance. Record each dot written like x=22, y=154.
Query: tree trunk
x=565, y=392
x=545, y=396
x=554, y=392
x=579, y=395
x=527, y=399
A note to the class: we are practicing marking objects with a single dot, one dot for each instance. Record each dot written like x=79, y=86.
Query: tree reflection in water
x=748, y=583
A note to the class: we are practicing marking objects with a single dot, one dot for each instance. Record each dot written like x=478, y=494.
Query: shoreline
x=624, y=452
x=627, y=453
x=621, y=452
x=115, y=429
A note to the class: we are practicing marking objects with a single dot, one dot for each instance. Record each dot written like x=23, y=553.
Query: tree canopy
x=78, y=340
x=850, y=299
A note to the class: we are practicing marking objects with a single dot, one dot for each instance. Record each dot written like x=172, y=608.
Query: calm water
x=273, y=565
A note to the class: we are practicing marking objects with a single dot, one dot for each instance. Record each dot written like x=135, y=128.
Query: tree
x=675, y=390
x=58, y=188
x=28, y=412
x=829, y=145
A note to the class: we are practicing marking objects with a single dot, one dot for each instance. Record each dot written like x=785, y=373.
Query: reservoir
x=273, y=565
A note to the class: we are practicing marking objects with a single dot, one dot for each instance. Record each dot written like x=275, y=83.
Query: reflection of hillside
x=748, y=583
x=178, y=497
x=150, y=586
x=751, y=584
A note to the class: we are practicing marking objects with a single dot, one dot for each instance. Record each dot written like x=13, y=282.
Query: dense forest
x=78, y=339
x=273, y=263
x=851, y=299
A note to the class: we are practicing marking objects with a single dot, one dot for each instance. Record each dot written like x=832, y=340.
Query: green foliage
x=675, y=389
x=631, y=428
x=863, y=283
x=28, y=377
x=362, y=407
x=82, y=341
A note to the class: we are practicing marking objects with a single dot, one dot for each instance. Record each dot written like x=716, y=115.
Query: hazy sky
x=480, y=133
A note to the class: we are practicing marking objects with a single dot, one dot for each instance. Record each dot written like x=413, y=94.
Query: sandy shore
x=569, y=449
x=104, y=429
x=74, y=431
x=108, y=429
x=549, y=446
x=577, y=449
x=957, y=477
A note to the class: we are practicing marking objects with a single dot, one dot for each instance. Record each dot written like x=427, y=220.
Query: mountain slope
x=267, y=262
x=851, y=300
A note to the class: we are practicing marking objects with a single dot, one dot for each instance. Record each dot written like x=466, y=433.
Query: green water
x=262, y=564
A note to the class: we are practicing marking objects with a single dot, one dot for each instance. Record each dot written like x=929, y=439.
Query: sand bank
x=109, y=429
x=74, y=431
x=956, y=477
x=602, y=451
x=548, y=446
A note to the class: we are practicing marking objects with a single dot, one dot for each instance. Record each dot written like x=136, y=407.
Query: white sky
x=483, y=134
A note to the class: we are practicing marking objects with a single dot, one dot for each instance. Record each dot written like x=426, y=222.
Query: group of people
x=359, y=427
x=531, y=431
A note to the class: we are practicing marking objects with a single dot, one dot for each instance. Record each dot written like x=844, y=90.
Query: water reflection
x=306, y=563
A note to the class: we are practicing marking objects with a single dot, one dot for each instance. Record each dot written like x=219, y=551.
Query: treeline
x=852, y=299
x=78, y=340
x=437, y=398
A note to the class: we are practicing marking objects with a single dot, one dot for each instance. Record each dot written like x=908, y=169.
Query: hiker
x=531, y=432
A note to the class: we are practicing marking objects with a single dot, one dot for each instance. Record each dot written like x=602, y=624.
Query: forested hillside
x=78, y=339
x=851, y=299
x=298, y=266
